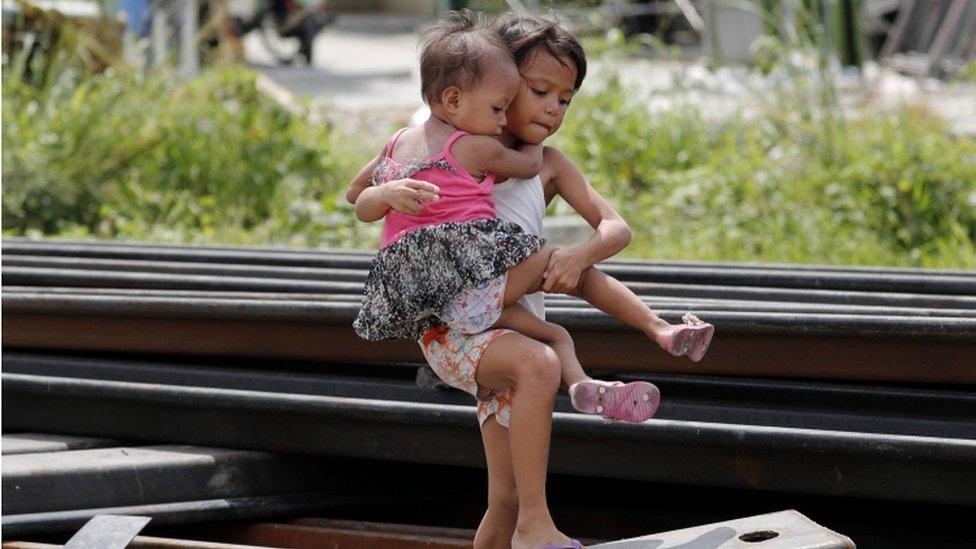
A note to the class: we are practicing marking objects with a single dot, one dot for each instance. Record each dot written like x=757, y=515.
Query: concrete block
x=782, y=530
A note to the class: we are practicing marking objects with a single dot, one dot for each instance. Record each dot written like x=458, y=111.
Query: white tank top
x=523, y=201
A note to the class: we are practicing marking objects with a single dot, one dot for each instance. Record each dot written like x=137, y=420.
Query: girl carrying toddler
x=446, y=226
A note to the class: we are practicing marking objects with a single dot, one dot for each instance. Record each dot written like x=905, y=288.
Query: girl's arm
x=404, y=195
x=479, y=154
x=611, y=233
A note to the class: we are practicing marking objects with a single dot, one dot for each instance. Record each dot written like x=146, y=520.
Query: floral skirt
x=413, y=279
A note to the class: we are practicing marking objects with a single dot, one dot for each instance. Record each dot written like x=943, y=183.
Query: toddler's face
x=481, y=110
x=543, y=97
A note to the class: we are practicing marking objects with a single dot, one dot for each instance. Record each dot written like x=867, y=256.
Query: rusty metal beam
x=927, y=469
x=705, y=276
x=82, y=278
x=306, y=535
x=13, y=293
x=854, y=407
x=359, y=259
x=169, y=513
x=855, y=347
x=141, y=475
x=33, y=443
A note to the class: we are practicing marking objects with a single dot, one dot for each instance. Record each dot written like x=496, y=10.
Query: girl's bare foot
x=537, y=538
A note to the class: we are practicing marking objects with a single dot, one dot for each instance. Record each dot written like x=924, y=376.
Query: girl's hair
x=458, y=52
x=524, y=33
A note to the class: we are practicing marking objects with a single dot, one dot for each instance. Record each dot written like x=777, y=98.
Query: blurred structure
x=934, y=37
x=918, y=37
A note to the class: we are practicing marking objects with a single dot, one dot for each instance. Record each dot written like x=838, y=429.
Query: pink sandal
x=632, y=402
x=691, y=338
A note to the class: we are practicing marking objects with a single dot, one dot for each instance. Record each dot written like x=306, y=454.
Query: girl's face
x=543, y=97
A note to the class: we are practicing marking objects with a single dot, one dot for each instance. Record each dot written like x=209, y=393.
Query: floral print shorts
x=476, y=309
x=454, y=357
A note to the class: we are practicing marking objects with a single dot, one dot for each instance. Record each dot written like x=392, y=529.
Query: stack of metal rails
x=839, y=388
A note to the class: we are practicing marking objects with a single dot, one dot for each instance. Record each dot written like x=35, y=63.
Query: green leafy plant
x=895, y=188
x=147, y=156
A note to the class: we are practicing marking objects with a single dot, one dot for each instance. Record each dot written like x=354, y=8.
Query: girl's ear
x=451, y=99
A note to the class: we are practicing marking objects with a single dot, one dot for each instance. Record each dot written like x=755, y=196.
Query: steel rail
x=776, y=278
x=24, y=276
x=145, y=542
x=552, y=301
x=892, y=467
x=32, y=443
x=343, y=534
x=800, y=404
x=343, y=312
x=140, y=475
x=273, y=272
x=922, y=350
x=30, y=276
x=174, y=513
x=360, y=258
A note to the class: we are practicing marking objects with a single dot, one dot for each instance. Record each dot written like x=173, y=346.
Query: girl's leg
x=515, y=360
x=498, y=525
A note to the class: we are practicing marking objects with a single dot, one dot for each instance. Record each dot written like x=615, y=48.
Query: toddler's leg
x=634, y=402
x=610, y=296
x=526, y=277
x=518, y=318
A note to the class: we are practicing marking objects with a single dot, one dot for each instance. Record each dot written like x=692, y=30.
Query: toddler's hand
x=562, y=275
x=409, y=195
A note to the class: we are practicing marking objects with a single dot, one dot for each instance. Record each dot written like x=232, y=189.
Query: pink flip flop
x=632, y=402
x=691, y=338
x=573, y=544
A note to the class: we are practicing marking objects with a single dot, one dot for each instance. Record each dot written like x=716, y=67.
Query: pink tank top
x=462, y=197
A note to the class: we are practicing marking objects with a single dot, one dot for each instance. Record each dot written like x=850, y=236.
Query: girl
x=515, y=431
x=454, y=262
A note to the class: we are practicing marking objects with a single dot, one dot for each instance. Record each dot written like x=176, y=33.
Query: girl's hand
x=562, y=275
x=409, y=195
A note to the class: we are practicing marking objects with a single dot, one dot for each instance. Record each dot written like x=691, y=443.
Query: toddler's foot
x=691, y=338
x=633, y=402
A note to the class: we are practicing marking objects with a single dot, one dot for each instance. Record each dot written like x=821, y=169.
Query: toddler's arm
x=403, y=195
x=361, y=181
x=479, y=154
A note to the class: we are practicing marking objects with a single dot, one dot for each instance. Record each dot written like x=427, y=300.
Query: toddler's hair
x=458, y=52
x=524, y=33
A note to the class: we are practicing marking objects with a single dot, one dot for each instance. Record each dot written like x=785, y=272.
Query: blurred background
x=802, y=131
